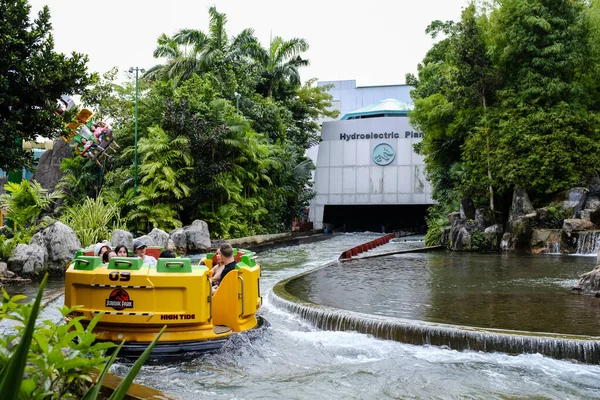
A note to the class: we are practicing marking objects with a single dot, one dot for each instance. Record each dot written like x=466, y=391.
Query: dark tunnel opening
x=376, y=218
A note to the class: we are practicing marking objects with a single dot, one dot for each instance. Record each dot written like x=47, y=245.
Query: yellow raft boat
x=138, y=300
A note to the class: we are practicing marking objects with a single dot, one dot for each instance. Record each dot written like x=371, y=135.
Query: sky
x=374, y=42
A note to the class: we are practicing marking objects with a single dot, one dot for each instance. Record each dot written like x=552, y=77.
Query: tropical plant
x=81, y=178
x=25, y=201
x=280, y=62
x=53, y=361
x=8, y=244
x=503, y=96
x=93, y=220
x=164, y=162
x=33, y=78
x=192, y=51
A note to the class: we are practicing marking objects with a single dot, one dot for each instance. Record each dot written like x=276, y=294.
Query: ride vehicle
x=138, y=300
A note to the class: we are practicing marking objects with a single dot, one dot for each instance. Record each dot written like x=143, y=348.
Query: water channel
x=294, y=360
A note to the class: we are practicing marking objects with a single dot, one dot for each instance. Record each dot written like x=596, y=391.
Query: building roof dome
x=384, y=108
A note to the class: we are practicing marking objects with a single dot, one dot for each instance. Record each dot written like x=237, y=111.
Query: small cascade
x=578, y=348
x=546, y=241
x=588, y=242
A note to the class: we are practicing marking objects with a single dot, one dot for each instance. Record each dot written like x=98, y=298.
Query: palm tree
x=192, y=51
x=280, y=62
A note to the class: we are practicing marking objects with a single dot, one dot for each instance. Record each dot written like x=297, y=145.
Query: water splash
x=567, y=347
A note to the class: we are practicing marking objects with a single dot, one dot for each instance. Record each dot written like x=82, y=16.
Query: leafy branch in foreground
x=52, y=360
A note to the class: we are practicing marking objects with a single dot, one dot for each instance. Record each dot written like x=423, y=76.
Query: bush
x=51, y=360
x=25, y=202
x=479, y=242
x=8, y=244
x=93, y=220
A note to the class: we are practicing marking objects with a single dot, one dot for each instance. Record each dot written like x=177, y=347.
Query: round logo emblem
x=383, y=154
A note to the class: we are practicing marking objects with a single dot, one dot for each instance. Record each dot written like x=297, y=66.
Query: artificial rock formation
x=49, y=250
x=192, y=238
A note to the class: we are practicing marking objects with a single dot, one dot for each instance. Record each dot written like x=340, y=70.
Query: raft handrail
x=242, y=279
x=180, y=263
x=210, y=297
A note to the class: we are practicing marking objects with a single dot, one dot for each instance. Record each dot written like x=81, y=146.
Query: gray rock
x=147, y=240
x=574, y=224
x=171, y=245
x=594, y=184
x=121, y=238
x=545, y=241
x=521, y=205
x=197, y=236
x=453, y=217
x=505, y=242
x=3, y=181
x=589, y=283
x=592, y=203
x=484, y=217
x=459, y=236
x=3, y=268
x=493, y=235
x=28, y=260
x=520, y=230
x=467, y=208
x=61, y=244
x=160, y=237
x=179, y=240
x=48, y=172
x=574, y=199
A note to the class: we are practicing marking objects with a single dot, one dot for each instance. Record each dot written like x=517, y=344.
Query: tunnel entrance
x=377, y=218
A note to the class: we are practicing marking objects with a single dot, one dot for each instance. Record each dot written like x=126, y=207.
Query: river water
x=293, y=360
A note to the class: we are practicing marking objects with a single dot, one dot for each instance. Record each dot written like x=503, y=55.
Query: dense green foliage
x=506, y=99
x=224, y=125
x=44, y=360
x=25, y=201
x=32, y=78
x=93, y=220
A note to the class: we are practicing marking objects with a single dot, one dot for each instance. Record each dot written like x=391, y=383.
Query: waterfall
x=588, y=242
x=546, y=241
x=559, y=346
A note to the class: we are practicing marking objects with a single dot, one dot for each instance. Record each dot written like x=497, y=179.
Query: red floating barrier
x=354, y=251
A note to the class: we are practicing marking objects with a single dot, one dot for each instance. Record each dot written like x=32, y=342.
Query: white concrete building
x=368, y=174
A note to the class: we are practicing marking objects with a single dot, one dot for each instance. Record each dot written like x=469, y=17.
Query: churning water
x=294, y=360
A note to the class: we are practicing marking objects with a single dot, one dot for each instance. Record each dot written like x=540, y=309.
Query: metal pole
x=237, y=103
x=135, y=157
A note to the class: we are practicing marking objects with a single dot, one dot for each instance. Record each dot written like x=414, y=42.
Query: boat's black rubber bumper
x=170, y=350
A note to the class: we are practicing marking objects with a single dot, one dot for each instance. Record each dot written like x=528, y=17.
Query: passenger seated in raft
x=107, y=256
x=217, y=268
x=139, y=248
x=122, y=251
x=101, y=248
x=229, y=263
x=167, y=254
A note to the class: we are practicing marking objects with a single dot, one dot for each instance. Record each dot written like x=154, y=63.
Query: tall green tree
x=547, y=136
x=192, y=51
x=32, y=78
x=280, y=63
